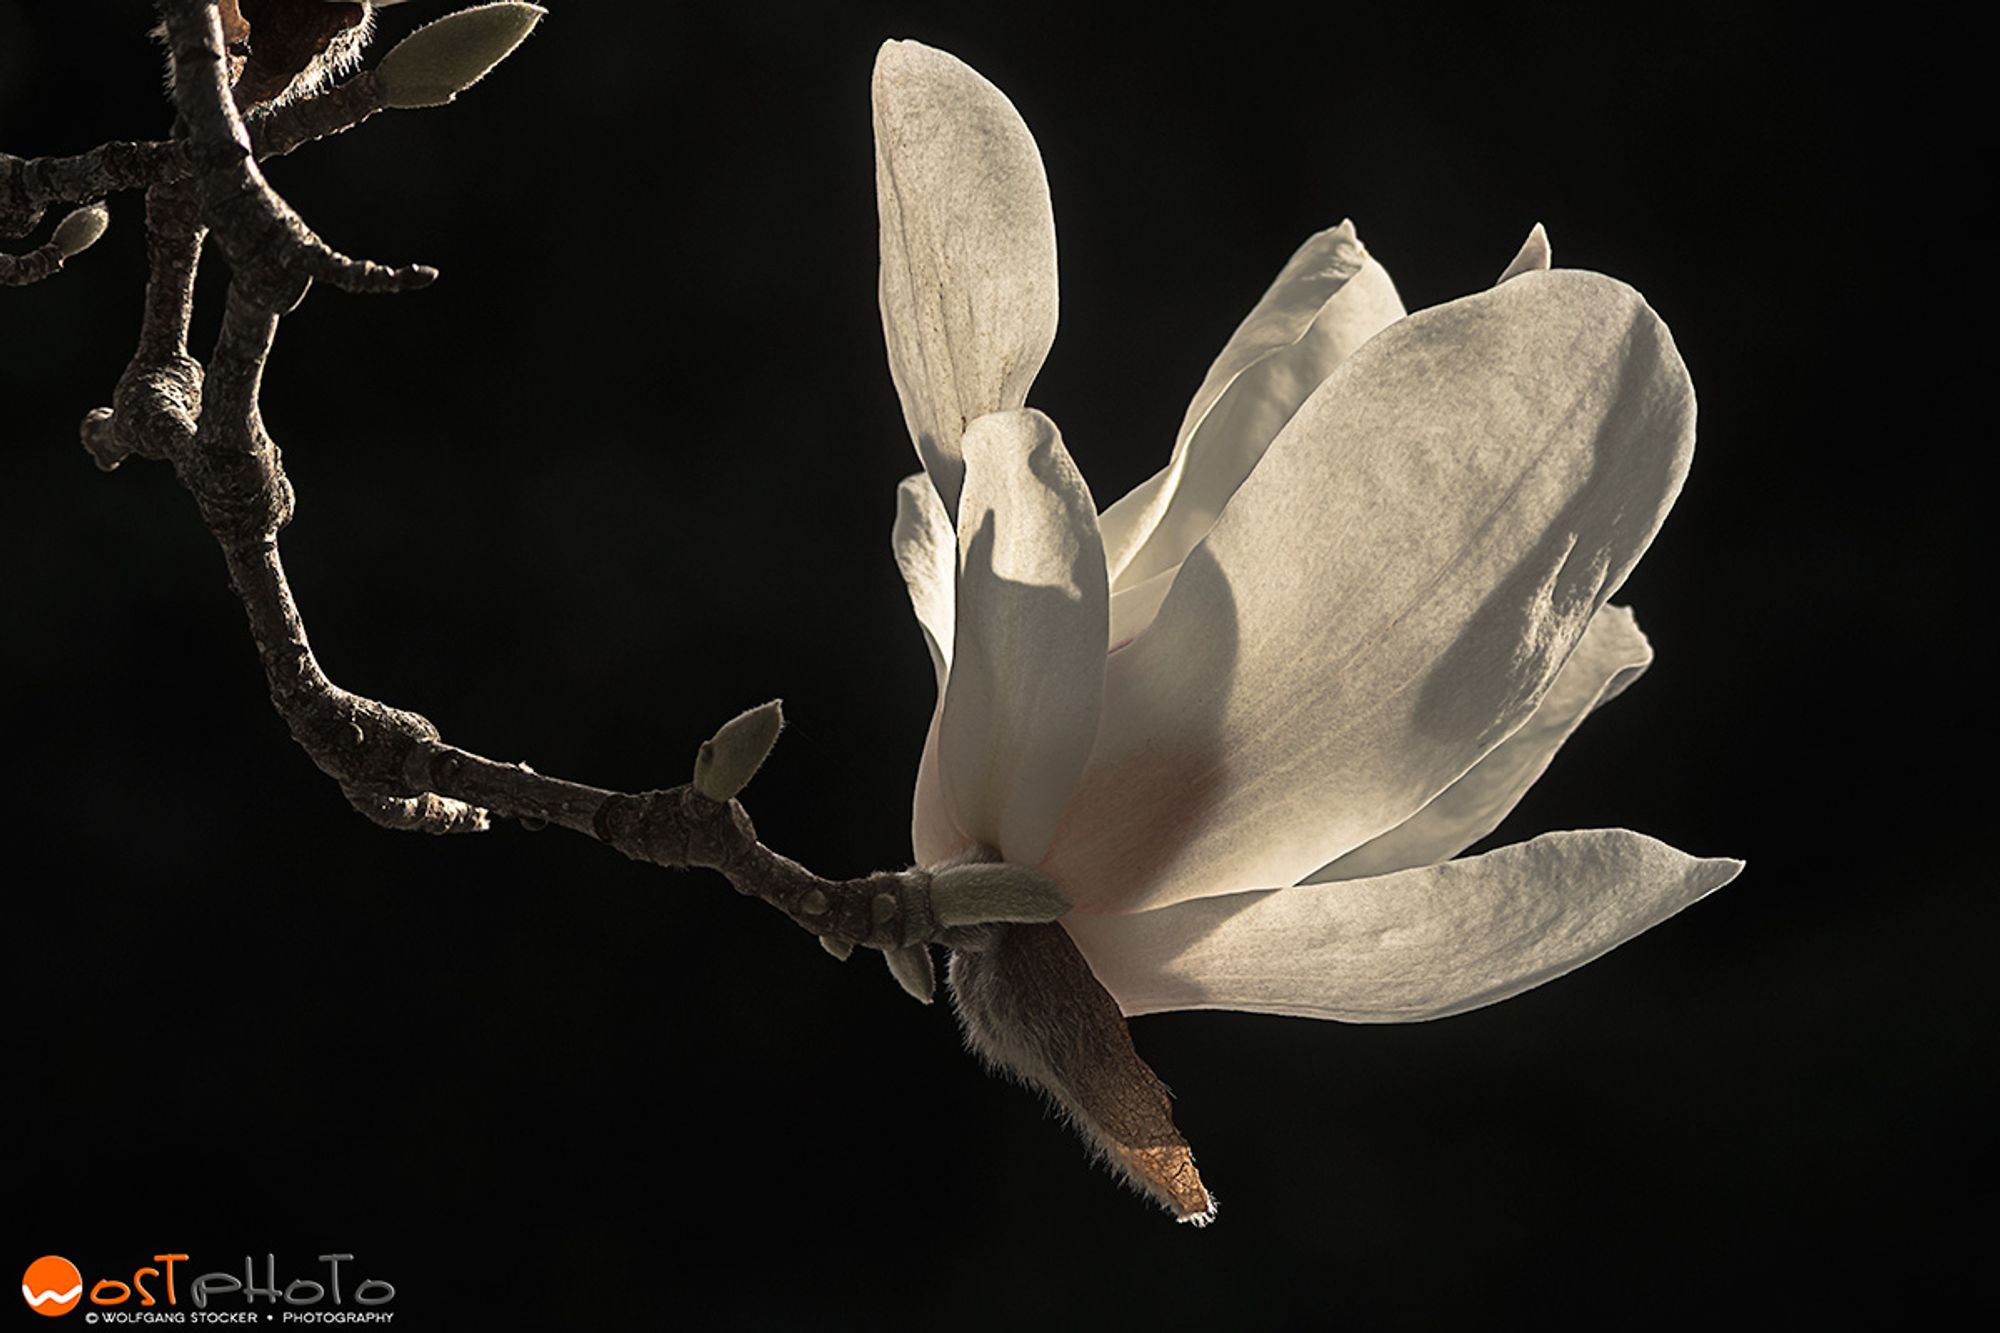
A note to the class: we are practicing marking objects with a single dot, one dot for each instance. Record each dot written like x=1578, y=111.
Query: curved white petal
x=1027, y=675
x=1388, y=596
x=1330, y=298
x=1610, y=656
x=1419, y=944
x=1134, y=606
x=968, y=283
x=927, y=554
x=1533, y=258
x=934, y=838
x=1125, y=524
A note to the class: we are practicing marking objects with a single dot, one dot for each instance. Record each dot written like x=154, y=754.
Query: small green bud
x=728, y=760
x=973, y=895
x=913, y=970
x=442, y=59
x=80, y=230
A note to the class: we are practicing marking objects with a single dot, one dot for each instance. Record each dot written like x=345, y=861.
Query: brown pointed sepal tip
x=1168, y=1173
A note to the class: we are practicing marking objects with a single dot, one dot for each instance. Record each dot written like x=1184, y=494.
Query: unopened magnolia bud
x=974, y=895
x=442, y=59
x=728, y=760
x=913, y=971
x=80, y=230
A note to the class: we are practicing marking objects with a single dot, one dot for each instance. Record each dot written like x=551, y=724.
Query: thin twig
x=265, y=240
x=30, y=186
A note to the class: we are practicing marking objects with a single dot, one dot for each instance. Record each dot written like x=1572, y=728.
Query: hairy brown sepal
x=1031, y=1006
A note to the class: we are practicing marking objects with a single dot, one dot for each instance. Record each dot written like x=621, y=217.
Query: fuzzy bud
x=984, y=892
x=442, y=59
x=81, y=229
x=728, y=760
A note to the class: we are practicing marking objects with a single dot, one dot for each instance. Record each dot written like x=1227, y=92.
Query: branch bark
x=391, y=764
x=31, y=186
x=1026, y=997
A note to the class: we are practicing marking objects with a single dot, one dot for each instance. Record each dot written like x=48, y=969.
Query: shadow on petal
x=1533, y=620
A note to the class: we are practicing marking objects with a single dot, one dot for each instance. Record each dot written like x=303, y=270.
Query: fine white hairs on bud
x=1031, y=1006
x=729, y=759
x=914, y=971
x=984, y=892
x=80, y=230
x=442, y=59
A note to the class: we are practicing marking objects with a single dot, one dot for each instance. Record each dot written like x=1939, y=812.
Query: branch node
x=428, y=813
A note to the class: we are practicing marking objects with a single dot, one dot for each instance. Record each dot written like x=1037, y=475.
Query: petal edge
x=1418, y=944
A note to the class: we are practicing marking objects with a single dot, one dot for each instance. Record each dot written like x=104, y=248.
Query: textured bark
x=266, y=241
x=1027, y=998
x=29, y=187
x=43, y=261
x=205, y=421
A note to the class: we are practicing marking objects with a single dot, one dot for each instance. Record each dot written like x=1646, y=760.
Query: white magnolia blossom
x=1246, y=715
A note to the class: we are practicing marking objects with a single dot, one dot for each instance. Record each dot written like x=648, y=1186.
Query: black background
x=628, y=468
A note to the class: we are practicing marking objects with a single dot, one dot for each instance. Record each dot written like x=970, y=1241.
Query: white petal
x=1534, y=256
x=1027, y=675
x=1389, y=595
x=1418, y=944
x=1134, y=606
x=934, y=839
x=1610, y=656
x=968, y=284
x=927, y=554
x=1330, y=298
x=1125, y=525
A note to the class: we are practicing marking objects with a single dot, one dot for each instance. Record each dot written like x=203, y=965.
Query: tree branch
x=30, y=186
x=265, y=240
x=1026, y=996
x=391, y=764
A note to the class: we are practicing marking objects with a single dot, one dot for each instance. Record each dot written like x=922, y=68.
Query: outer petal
x=927, y=553
x=934, y=838
x=1610, y=656
x=1329, y=299
x=1027, y=676
x=1418, y=944
x=1389, y=595
x=968, y=283
x=1533, y=258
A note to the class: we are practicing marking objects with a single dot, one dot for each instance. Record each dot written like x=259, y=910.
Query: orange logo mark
x=51, y=1286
